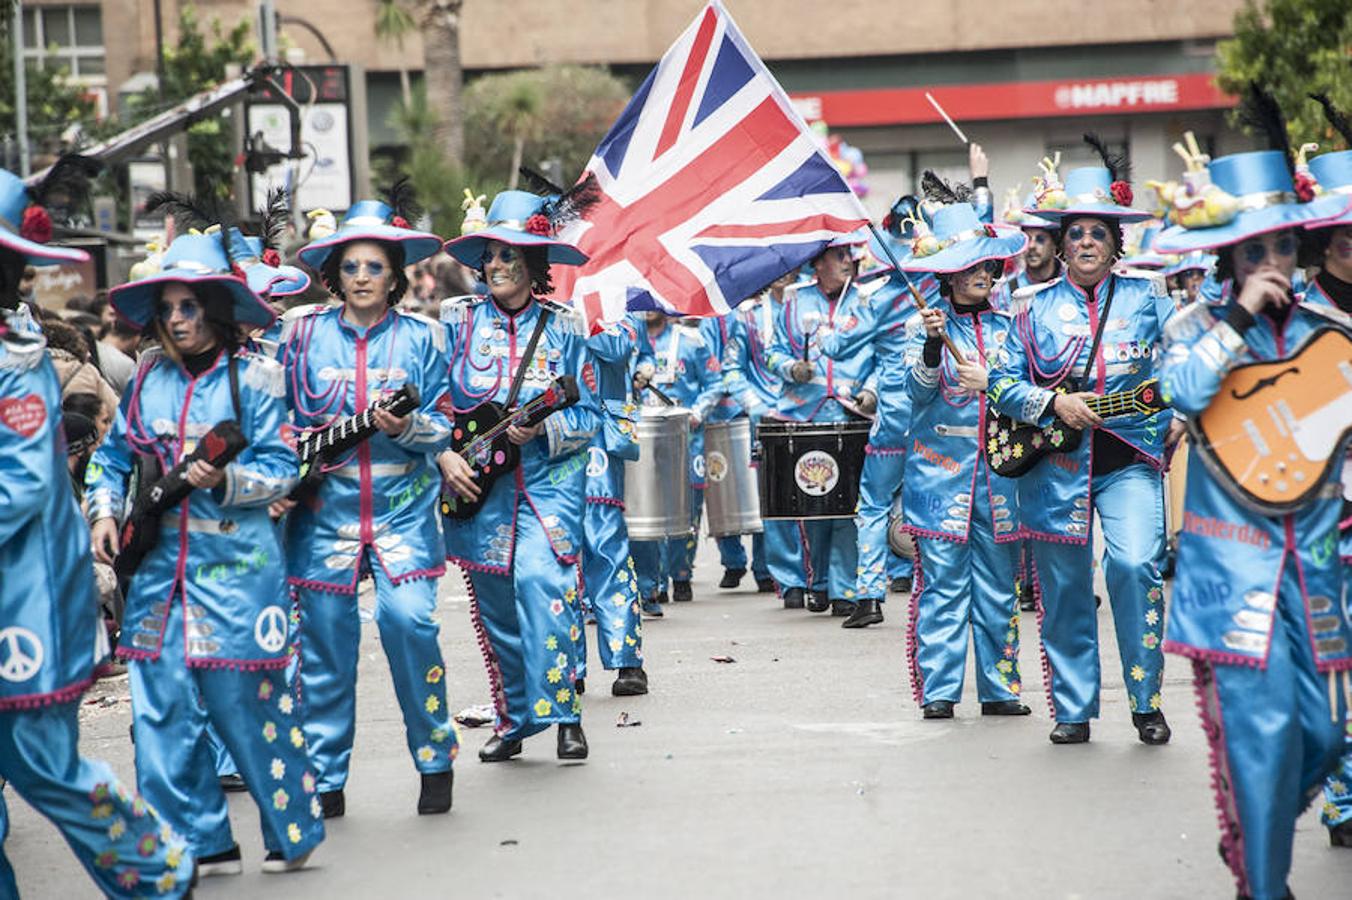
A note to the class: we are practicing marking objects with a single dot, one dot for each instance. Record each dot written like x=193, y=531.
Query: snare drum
x=731, y=494
x=811, y=470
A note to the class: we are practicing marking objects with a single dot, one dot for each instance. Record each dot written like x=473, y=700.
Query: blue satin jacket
x=616, y=353
x=1232, y=561
x=717, y=333
x=1053, y=329
x=219, y=553
x=485, y=344
x=803, y=325
x=747, y=375
x=946, y=436
x=688, y=372
x=48, y=610
x=383, y=495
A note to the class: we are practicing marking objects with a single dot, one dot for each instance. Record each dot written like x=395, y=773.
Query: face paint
x=1275, y=250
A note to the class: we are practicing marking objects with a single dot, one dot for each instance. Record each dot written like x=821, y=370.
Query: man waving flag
x=711, y=187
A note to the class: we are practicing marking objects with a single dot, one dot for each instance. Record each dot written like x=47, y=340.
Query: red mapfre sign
x=1015, y=100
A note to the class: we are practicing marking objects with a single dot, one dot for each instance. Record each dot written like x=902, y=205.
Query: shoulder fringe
x=1158, y=288
x=262, y=373
x=565, y=315
x=20, y=350
x=455, y=310
x=1191, y=322
x=295, y=314
x=433, y=327
x=1023, y=297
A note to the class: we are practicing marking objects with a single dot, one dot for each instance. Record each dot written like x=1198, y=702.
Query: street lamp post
x=20, y=92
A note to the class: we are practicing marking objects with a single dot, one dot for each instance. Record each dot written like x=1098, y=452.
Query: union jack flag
x=712, y=186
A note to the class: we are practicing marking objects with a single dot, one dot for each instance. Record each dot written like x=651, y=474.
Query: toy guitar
x=1270, y=432
x=1013, y=448
x=318, y=447
x=480, y=436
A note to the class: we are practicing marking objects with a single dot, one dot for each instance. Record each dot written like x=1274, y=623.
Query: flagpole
x=919, y=301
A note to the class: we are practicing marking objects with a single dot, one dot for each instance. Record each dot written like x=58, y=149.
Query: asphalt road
x=802, y=769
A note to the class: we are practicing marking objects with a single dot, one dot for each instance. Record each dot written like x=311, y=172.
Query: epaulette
x=1158, y=288
x=262, y=373
x=147, y=359
x=1023, y=297
x=1327, y=311
x=566, y=315
x=868, y=288
x=455, y=310
x=21, y=350
x=295, y=314
x=1190, y=322
x=433, y=326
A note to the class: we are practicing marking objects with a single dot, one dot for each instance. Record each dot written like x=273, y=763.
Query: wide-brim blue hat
x=1261, y=184
x=1333, y=172
x=966, y=241
x=509, y=221
x=192, y=259
x=1088, y=192
x=1197, y=261
x=14, y=199
x=371, y=220
x=264, y=279
x=1146, y=257
x=1022, y=218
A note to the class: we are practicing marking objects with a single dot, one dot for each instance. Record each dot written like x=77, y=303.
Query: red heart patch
x=23, y=414
x=589, y=376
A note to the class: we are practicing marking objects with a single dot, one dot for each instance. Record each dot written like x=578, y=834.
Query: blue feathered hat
x=960, y=240
x=1102, y=192
x=524, y=219
x=193, y=259
x=25, y=225
x=385, y=221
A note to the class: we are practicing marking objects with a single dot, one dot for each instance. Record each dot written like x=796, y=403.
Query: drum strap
x=526, y=357
x=1098, y=334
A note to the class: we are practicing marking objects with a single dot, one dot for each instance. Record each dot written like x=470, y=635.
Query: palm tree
x=394, y=22
x=443, y=76
x=519, y=116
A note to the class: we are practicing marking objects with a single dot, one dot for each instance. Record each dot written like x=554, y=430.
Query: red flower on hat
x=399, y=222
x=539, y=224
x=1305, y=185
x=888, y=221
x=990, y=230
x=1121, y=192
x=36, y=225
x=272, y=258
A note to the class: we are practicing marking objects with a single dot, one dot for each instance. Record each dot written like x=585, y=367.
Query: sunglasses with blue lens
x=351, y=267
x=1076, y=233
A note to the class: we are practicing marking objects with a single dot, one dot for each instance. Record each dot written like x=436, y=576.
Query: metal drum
x=657, y=484
x=811, y=470
x=731, y=494
x=899, y=540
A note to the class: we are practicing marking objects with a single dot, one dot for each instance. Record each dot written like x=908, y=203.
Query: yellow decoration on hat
x=476, y=217
x=1196, y=203
x=924, y=243
x=1048, y=191
x=322, y=223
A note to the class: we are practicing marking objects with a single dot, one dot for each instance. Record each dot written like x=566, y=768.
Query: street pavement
x=801, y=769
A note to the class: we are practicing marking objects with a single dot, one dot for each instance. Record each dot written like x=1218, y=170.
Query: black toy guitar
x=319, y=447
x=1013, y=448
x=480, y=436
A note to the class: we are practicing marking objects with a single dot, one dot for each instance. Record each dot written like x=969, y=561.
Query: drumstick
x=661, y=396
x=915, y=295
x=951, y=124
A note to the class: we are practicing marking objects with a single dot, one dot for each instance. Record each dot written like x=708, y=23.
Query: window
x=67, y=37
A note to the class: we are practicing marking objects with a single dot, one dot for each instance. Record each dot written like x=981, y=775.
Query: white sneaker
x=275, y=864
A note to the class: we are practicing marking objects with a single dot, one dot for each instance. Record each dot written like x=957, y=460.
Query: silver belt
x=378, y=470
x=964, y=431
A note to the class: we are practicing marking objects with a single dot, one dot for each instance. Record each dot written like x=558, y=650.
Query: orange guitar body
x=1271, y=431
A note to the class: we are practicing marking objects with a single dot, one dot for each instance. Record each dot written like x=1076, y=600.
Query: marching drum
x=731, y=494
x=899, y=540
x=811, y=470
x=657, y=484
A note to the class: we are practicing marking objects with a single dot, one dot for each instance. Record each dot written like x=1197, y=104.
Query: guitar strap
x=1098, y=334
x=526, y=357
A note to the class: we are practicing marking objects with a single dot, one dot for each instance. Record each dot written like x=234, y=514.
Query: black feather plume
x=1336, y=117
x=1119, y=169
x=575, y=203
x=276, y=215
x=539, y=184
x=1259, y=112
x=69, y=178
x=402, y=197
x=936, y=189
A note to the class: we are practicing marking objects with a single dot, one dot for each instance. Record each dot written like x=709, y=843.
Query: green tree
x=54, y=102
x=1294, y=48
x=394, y=22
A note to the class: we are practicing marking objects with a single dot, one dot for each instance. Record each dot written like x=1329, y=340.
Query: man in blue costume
x=1091, y=332
x=521, y=550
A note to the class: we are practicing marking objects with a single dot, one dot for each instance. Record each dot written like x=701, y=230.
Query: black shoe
x=652, y=608
x=1070, y=733
x=681, y=593
x=333, y=804
x=662, y=597
x=572, y=742
x=1005, y=708
x=498, y=750
x=630, y=682
x=817, y=601
x=276, y=864
x=793, y=598
x=938, y=709
x=865, y=613
x=436, y=793
x=227, y=862
x=842, y=608
x=1024, y=591
x=1151, y=728
x=765, y=585
x=732, y=578
x=580, y=686
x=1340, y=835
x=1098, y=602
x=233, y=784
x=900, y=586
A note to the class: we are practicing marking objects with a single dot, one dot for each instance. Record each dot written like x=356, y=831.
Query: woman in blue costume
x=1256, y=597
x=962, y=514
x=375, y=512
x=51, y=635
x=1053, y=365
x=207, y=626
x=521, y=550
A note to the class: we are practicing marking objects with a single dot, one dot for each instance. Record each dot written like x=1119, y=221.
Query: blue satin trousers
x=1338, y=787
x=330, y=642
x=124, y=845
x=611, y=587
x=259, y=721
x=784, y=553
x=833, y=552
x=879, y=487
x=732, y=554
x=965, y=586
x=1274, y=737
x=1130, y=505
x=661, y=562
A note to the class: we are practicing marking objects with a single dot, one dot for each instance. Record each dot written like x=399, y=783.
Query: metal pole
x=20, y=92
x=159, y=52
x=267, y=28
